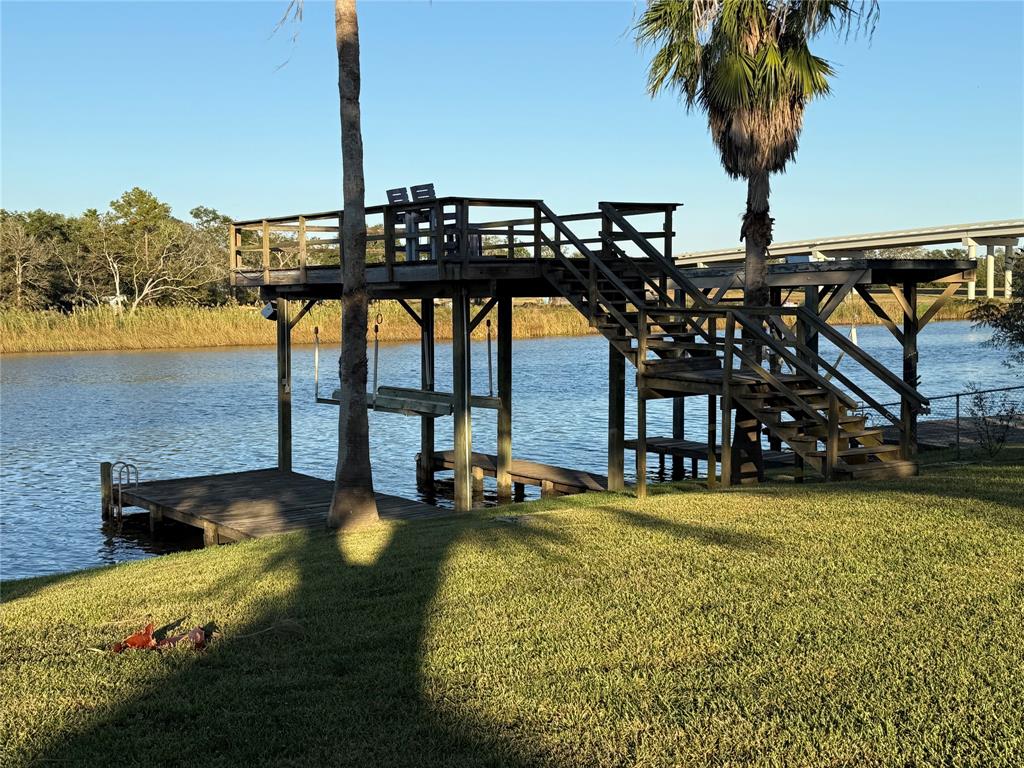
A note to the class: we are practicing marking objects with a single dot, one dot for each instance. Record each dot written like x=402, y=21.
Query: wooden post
x=908, y=416
x=730, y=332
x=712, y=439
x=302, y=249
x=425, y=468
x=678, y=403
x=284, y=386
x=232, y=254
x=504, y=469
x=641, y=443
x=810, y=339
x=678, y=433
x=832, y=439
x=106, y=490
x=461, y=387
x=616, y=417
x=266, y=252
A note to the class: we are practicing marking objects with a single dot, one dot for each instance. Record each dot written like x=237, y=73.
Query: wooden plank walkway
x=248, y=505
x=935, y=434
x=551, y=479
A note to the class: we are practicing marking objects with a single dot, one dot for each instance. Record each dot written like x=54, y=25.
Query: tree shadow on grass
x=702, y=534
x=328, y=673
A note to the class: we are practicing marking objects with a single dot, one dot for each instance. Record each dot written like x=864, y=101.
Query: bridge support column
x=972, y=254
x=425, y=466
x=284, y=386
x=990, y=273
x=461, y=387
x=1008, y=264
x=504, y=473
x=616, y=418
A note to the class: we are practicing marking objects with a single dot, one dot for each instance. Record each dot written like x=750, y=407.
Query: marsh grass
x=843, y=624
x=177, y=327
x=170, y=327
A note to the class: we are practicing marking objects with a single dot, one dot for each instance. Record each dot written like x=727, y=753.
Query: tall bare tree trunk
x=353, y=501
x=757, y=234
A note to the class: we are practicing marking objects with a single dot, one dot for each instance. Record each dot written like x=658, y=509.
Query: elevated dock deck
x=253, y=504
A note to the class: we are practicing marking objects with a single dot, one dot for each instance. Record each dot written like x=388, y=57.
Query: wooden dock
x=553, y=481
x=253, y=504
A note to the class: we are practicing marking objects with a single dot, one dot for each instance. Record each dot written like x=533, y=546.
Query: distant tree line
x=134, y=254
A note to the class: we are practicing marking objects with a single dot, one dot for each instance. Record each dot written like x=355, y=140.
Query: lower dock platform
x=553, y=481
x=252, y=504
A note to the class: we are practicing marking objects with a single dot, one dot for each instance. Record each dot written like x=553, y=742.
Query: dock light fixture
x=269, y=310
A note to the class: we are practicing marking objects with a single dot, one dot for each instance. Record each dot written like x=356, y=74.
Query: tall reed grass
x=169, y=327
x=175, y=327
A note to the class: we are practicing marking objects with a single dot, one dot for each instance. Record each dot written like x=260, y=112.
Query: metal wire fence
x=970, y=422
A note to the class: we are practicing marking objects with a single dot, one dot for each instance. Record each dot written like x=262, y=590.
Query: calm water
x=180, y=413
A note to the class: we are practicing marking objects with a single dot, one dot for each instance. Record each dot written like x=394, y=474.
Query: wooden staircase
x=682, y=344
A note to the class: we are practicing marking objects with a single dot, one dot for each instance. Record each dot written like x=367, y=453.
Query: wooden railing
x=442, y=230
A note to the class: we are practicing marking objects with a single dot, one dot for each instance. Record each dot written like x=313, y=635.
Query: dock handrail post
x=537, y=233
x=106, y=489
x=616, y=417
x=730, y=333
x=504, y=468
x=462, y=387
x=284, y=386
x=266, y=252
x=303, y=256
x=233, y=256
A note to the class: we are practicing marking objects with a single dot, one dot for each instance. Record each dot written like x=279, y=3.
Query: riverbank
x=242, y=326
x=854, y=623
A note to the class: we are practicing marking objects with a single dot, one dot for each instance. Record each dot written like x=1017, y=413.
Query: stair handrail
x=918, y=402
x=914, y=398
x=588, y=254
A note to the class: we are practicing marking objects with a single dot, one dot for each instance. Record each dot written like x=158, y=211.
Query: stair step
x=657, y=367
x=782, y=409
x=880, y=470
x=870, y=450
x=799, y=392
x=846, y=418
x=853, y=434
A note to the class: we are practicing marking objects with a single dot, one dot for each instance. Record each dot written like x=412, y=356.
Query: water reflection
x=190, y=412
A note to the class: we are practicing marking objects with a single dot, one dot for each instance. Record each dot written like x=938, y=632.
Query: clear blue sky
x=925, y=125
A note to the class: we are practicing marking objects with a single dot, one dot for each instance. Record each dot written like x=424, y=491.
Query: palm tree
x=748, y=66
x=353, y=500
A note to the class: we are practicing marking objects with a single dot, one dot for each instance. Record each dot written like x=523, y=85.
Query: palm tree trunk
x=757, y=234
x=353, y=501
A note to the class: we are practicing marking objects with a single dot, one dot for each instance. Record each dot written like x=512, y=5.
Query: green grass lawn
x=843, y=624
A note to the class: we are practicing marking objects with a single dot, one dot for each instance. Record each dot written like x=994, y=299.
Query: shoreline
x=180, y=328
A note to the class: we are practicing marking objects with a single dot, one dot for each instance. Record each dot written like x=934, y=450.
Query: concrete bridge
x=991, y=234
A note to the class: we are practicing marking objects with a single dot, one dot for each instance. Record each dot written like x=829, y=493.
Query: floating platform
x=253, y=504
